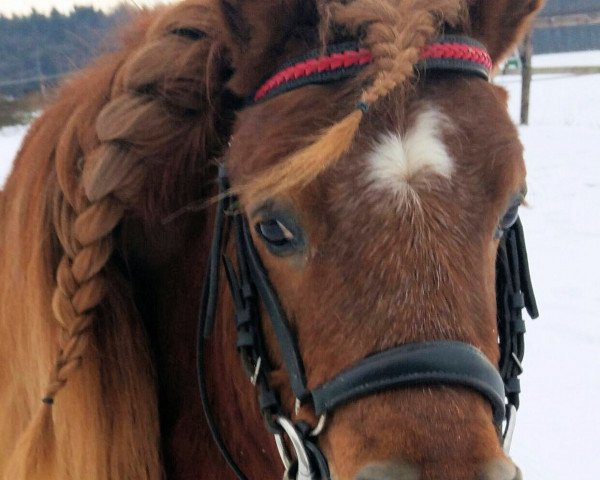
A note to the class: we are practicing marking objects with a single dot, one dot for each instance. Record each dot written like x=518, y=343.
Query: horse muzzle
x=501, y=469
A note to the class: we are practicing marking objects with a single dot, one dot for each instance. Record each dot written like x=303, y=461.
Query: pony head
x=379, y=227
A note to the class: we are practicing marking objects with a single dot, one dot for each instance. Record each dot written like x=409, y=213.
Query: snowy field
x=559, y=422
x=573, y=59
x=10, y=141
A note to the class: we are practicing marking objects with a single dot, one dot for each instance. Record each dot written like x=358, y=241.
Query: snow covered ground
x=559, y=422
x=572, y=59
x=10, y=141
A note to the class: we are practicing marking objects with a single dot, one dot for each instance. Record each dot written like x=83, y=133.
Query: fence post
x=525, y=52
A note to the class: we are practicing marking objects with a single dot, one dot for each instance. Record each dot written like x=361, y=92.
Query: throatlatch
x=425, y=363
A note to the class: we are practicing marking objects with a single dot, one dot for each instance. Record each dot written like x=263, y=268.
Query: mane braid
x=118, y=122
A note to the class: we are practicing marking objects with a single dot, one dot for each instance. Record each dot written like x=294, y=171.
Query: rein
x=424, y=363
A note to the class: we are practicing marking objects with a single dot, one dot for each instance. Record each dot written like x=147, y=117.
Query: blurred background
x=553, y=81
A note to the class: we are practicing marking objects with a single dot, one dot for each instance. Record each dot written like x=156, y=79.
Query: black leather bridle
x=424, y=363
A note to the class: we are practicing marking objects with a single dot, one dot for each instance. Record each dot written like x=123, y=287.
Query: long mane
x=118, y=138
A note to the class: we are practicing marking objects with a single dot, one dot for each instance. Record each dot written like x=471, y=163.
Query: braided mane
x=103, y=150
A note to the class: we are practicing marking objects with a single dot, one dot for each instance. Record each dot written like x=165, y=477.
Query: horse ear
x=501, y=24
x=257, y=34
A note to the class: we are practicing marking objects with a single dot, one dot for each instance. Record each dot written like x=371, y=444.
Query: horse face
x=395, y=243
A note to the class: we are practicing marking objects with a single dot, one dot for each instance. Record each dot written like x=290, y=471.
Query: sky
x=23, y=7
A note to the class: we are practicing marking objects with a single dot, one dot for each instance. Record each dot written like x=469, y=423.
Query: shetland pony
x=107, y=216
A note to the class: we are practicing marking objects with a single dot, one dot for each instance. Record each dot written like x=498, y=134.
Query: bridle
x=425, y=363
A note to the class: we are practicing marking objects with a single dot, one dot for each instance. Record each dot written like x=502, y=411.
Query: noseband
x=425, y=363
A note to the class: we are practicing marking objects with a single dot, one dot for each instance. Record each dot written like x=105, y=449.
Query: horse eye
x=281, y=234
x=509, y=218
x=274, y=232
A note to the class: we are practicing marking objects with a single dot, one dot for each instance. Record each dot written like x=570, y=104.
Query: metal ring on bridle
x=254, y=376
x=304, y=469
x=320, y=423
x=320, y=426
x=511, y=422
x=283, y=454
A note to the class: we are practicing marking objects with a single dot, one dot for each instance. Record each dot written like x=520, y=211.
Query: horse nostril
x=501, y=469
x=388, y=471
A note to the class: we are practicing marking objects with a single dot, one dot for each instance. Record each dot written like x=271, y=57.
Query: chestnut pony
x=377, y=225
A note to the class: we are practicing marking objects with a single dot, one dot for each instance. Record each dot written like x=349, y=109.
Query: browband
x=456, y=53
x=345, y=60
x=339, y=61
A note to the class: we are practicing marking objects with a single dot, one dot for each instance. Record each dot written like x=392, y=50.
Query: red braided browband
x=455, y=50
x=317, y=69
x=454, y=53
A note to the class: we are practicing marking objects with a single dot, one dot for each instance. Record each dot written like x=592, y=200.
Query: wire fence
x=40, y=79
